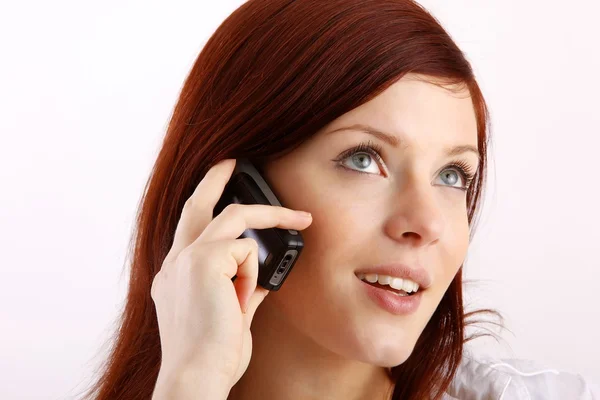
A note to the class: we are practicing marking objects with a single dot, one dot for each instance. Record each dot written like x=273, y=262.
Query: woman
x=364, y=113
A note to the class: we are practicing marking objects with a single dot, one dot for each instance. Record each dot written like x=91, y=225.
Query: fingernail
x=305, y=214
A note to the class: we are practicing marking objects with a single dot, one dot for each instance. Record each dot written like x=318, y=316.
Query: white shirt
x=516, y=379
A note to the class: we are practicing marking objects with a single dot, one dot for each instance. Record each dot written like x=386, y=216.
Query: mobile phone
x=278, y=249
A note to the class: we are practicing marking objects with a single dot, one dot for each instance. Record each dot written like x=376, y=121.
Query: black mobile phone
x=279, y=249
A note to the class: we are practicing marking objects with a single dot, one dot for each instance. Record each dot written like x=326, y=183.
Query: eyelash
x=375, y=150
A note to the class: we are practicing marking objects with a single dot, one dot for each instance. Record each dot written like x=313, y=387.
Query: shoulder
x=481, y=378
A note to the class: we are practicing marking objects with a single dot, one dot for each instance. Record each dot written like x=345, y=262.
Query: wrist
x=191, y=383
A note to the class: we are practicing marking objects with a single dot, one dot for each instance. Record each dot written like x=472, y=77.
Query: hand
x=204, y=318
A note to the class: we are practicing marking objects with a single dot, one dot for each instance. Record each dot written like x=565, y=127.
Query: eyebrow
x=394, y=141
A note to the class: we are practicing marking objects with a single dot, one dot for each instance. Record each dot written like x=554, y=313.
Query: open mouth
x=400, y=287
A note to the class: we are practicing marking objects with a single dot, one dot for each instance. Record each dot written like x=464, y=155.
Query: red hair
x=273, y=74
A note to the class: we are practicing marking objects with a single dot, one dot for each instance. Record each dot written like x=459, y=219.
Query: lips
x=389, y=301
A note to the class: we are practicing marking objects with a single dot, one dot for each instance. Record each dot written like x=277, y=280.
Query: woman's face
x=409, y=207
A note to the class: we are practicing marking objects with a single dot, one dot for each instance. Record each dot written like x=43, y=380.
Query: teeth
x=397, y=283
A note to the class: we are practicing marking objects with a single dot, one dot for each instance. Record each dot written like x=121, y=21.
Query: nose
x=418, y=219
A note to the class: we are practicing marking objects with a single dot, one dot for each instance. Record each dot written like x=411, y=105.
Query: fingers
x=255, y=300
x=198, y=209
x=236, y=218
x=230, y=258
x=247, y=271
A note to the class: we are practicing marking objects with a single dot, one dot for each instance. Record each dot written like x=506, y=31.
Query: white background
x=86, y=91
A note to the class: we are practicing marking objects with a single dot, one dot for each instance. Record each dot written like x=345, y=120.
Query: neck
x=288, y=365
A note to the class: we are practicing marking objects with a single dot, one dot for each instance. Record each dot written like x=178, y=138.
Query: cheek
x=340, y=232
x=456, y=246
x=330, y=241
x=332, y=246
x=461, y=234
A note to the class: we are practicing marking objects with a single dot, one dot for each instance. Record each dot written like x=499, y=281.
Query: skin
x=320, y=336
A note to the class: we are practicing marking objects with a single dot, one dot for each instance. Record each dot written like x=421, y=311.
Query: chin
x=389, y=355
x=381, y=347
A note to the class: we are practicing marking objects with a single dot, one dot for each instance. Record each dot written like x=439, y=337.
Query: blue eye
x=368, y=155
x=362, y=161
x=365, y=155
x=465, y=173
x=453, y=178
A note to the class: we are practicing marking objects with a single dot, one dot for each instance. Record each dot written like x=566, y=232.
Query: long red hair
x=273, y=74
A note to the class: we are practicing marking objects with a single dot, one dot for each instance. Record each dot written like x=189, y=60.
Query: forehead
x=419, y=112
